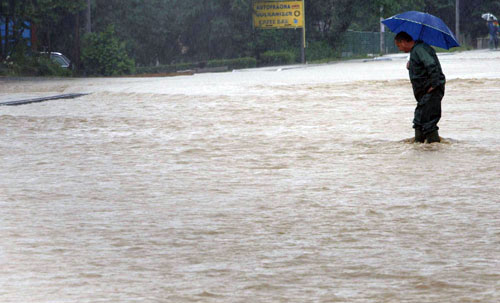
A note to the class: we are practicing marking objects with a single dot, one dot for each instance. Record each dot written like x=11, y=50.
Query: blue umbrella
x=422, y=26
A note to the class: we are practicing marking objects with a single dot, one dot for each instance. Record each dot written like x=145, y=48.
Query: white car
x=60, y=59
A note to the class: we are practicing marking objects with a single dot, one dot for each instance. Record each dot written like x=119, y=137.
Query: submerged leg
x=427, y=116
x=433, y=137
x=419, y=136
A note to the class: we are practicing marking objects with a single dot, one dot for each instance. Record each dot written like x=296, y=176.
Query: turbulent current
x=292, y=184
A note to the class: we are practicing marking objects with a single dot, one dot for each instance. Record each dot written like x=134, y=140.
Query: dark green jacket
x=425, y=69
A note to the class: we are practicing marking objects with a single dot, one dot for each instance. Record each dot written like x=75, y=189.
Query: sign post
x=303, y=46
x=281, y=15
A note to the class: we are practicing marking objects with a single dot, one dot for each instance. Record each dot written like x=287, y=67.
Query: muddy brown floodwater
x=294, y=184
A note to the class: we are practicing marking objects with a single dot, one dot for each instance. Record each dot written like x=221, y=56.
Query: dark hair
x=403, y=36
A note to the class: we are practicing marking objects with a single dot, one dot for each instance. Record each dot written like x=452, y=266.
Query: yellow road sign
x=286, y=14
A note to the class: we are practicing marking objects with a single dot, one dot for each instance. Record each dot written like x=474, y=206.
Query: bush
x=46, y=67
x=22, y=62
x=33, y=65
x=184, y=66
x=246, y=62
x=160, y=69
x=277, y=58
x=4, y=69
x=153, y=69
x=103, y=54
x=238, y=63
x=318, y=50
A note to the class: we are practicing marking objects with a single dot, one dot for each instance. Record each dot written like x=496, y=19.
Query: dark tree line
x=170, y=31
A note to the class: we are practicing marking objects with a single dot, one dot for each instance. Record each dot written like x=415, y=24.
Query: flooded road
x=264, y=185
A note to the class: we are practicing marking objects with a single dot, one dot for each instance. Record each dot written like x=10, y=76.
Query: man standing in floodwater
x=428, y=83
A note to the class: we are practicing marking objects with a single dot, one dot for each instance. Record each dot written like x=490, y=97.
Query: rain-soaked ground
x=291, y=184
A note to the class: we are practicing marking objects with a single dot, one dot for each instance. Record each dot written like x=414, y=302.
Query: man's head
x=404, y=42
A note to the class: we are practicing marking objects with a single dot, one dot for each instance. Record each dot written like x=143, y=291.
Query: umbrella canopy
x=423, y=26
x=489, y=17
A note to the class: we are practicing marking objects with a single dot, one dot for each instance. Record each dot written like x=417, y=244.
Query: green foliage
x=184, y=66
x=103, y=54
x=213, y=29
x=24, y=63
x=148, y=27
x=277, y=58
x=317, y=50
x=454, y=49
x=168, y=31
x=54, y=21
x=329, y=19
x=46, y=67
x=170, y=68
x=276, y=39
x=239, y=63
x=4, y=70
x=34, y=65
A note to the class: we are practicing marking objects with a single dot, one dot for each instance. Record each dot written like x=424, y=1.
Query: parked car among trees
x=60, y=59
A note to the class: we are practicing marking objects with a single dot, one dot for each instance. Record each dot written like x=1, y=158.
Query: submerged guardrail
x=37, y=100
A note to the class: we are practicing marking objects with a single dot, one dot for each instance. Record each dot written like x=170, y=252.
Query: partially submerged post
x=382, y=32
x=457, y=20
